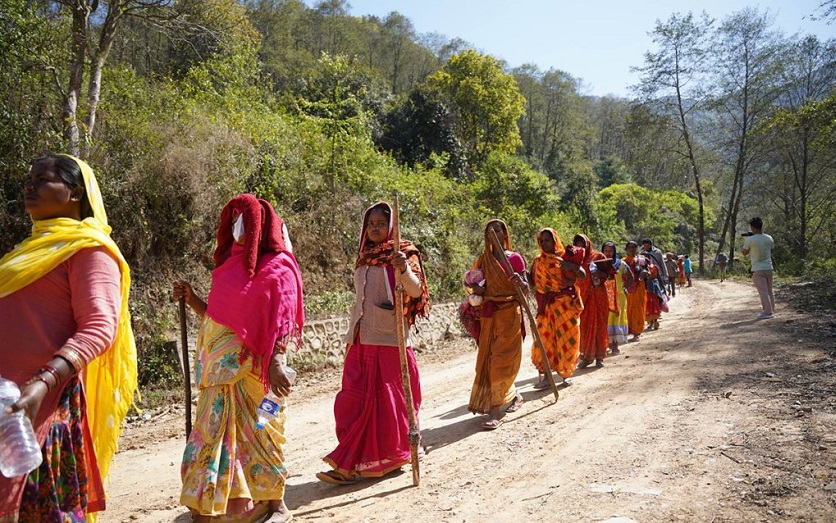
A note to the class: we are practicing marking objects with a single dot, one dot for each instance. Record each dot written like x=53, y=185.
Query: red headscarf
x=263, y=230
x=257, y=286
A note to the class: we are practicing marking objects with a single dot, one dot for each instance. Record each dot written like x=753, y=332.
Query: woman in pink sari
x=370, y=409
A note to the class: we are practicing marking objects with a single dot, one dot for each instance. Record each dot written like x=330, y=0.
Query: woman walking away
x=231, y=468
x=596, y=292
x=559, y=305
x=500, y=339
x=622, y=278
x=370, y=409
x=67, y=344
x=636, y=291
x=686, y=264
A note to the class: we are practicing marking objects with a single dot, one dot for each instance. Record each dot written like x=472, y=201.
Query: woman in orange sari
x=598, y=297
x=636, y=291
x=559, y=305
x=500, y=338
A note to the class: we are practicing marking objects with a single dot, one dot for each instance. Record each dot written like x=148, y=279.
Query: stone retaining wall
x=322, y=343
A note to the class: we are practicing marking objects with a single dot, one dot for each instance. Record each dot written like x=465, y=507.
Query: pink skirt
x=370, y=411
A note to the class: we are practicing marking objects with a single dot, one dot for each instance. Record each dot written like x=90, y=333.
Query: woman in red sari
x=559, y=305
x=370, y=409
x=598, y=297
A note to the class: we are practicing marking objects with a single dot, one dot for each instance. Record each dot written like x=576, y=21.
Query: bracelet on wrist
x=40, y=378
x=51, y=370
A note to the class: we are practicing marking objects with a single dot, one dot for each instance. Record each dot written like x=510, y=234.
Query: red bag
x=471, y=319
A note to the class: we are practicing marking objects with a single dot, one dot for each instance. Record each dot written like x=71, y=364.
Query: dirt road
x=716, y=417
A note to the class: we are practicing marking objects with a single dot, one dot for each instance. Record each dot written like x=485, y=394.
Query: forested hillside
x=178, y=105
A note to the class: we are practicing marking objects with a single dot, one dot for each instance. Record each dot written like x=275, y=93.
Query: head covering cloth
x=256, y=287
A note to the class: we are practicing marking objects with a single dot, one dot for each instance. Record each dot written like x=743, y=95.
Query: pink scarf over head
x=256, y=287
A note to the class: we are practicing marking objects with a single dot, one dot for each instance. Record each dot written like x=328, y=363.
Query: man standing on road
x=655, y=254
x=670, y=265
x=759, y=248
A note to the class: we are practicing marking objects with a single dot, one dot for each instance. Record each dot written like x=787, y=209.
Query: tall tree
x=801, y=144
x=485, y=101
x=82, y=50
x=670, y=82
x=745, y=68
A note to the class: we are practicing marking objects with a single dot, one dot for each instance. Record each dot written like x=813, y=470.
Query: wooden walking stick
x=523, y=299
x=187, y=372
x=414, y=434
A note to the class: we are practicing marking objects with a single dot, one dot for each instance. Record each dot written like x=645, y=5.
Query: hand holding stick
x=414, y=434
x=523, y=299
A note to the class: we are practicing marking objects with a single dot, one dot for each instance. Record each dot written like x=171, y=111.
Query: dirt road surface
x=716, y=417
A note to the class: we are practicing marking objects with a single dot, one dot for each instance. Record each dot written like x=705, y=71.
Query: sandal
x=582, y=364
x=599, y=363
x=492, y=424
x=615, y=351
x=333, y=477
x=542, y=384
x=515, y=404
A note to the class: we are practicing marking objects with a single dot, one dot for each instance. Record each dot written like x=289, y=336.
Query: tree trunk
x=78, y=52
x=692, y=159
x=114, y=14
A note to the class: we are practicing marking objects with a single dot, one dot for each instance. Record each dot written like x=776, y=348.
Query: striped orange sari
x=500, y=339
x=559, y=323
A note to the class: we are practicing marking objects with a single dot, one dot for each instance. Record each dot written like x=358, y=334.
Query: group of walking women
x=588, y=302
x=69, y=347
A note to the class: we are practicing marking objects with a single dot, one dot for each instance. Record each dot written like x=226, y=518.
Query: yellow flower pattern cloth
x=226, y=456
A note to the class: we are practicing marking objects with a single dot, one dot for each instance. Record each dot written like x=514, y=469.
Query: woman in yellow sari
x=67, y=343
x=232, y=469
x=500, y=338
x=636, y=291
x=559, y=305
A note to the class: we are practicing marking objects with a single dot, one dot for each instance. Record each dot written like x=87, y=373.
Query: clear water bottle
x=272, y=404
x=19, y=449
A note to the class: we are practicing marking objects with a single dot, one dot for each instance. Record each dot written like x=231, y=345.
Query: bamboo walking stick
x=187, y=372
x=523, y=299
x=414, y=434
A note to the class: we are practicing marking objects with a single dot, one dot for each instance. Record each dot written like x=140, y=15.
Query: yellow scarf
x=110, y=380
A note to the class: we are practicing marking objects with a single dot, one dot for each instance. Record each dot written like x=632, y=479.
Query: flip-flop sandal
x=515, y=405
x=334, y=478
x=493, y=424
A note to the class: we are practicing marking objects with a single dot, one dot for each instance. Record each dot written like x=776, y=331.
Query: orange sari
x=559, y=321
x=500, y=340
x=636, y=299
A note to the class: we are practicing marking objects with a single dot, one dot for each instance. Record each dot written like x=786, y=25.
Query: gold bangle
x=73, y=358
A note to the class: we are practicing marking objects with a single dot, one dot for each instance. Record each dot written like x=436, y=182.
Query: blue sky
x=597, y=41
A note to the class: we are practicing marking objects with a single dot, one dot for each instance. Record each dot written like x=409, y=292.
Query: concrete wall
x=322, y=343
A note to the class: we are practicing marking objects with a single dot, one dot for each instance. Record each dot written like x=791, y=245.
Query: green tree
x=485, y=101
x=669, y=81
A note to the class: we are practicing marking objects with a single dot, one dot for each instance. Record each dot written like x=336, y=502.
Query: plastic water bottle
x=272, y=404
x=19, y=449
